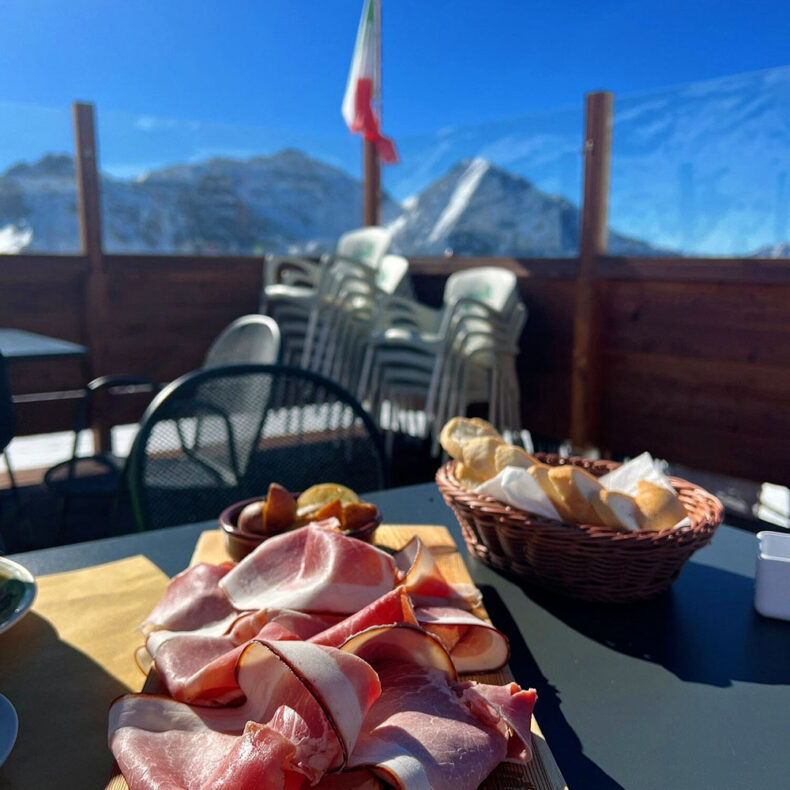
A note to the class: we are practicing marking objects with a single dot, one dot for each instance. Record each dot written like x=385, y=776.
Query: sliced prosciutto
x=320, y=661
x=358, y=779
x=424, y=581
x=427, y=730
x=473, y=644
x=193, y=600
x=305, y=704
x=420, y=735
x=201, y=669
x=394, y=607
x=514, y=706
x=313, y=569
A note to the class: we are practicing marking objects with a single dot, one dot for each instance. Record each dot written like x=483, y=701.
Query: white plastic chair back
x=391, y=272
x=365, y=245
x=251, y=339
x=491, y=285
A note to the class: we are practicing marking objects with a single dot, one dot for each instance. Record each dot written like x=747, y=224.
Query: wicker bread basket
x=583, y=561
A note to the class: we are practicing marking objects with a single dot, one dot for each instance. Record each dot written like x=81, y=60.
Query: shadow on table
x=579, y=771
x=62, y=698
x=704, y=629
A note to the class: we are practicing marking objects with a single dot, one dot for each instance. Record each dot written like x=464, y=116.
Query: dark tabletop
x=18, y=345
x=688, y=691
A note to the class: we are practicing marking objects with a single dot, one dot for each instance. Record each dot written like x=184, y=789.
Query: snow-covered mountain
x=479, y=209
x=781, y=250
x=283, y=202
x=287, y=202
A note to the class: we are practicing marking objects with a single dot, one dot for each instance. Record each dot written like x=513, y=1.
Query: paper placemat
x=64, y=663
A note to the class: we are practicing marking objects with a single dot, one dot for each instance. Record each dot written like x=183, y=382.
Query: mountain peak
x=59, y=165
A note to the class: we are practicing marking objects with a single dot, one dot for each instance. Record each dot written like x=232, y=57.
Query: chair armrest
x=121, y=381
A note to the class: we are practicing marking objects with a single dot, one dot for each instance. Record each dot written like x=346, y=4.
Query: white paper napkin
x=515, y=487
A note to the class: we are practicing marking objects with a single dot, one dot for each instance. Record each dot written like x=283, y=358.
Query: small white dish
x=9, y=726
x=13, y=570
x=772, y=579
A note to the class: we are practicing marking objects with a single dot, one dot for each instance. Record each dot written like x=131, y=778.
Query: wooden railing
x=686, y=357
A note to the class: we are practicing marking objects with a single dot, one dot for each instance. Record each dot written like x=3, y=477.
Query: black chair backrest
x=7, y=411
x=220, y=435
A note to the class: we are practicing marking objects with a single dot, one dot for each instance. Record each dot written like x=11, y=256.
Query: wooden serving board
x=542, y=772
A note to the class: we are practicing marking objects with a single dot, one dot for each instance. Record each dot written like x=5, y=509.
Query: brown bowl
x=240, y=542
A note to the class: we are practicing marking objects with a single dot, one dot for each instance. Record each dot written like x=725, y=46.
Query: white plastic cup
x=772, y=582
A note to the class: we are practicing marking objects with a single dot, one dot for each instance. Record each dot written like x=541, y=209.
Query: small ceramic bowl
x=240, y=542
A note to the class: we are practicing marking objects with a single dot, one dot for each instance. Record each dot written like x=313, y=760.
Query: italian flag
x=363, y=90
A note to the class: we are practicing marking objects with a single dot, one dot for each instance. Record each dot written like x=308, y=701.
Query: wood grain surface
x=542, y=773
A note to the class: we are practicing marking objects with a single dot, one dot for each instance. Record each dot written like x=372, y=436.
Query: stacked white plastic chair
x=423, y=366
x=293, y=286
x=344, y=315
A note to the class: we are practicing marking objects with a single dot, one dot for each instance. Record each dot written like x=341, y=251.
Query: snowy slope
x=479, y=209
x=288, y=202
x=283, y=202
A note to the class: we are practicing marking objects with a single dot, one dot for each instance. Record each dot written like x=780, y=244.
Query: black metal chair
x=7, y=415
x=100, y=475
x=7, y=427
x=219, y=435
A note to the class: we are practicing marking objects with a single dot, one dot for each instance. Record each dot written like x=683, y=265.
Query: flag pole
x=371, y=166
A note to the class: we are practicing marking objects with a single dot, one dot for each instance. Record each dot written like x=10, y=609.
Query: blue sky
x=282, y=63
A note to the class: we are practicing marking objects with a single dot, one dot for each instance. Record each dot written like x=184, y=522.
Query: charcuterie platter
x=541, y=773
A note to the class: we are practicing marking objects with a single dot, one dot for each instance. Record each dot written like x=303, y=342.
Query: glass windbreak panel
x=38, y=191
x=191, y=187
x=504, y=188
x=704, y=169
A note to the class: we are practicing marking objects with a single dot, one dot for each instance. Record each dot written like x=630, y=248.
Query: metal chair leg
x=12, y=479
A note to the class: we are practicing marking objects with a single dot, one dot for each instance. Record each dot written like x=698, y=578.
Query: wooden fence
x=686, y=357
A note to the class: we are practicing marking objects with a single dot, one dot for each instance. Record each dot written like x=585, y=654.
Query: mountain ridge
x=289, y=202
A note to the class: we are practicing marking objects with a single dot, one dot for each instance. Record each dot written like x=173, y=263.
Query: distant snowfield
x=14, y=240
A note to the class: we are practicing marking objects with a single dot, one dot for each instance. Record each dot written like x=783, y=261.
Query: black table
x=17, y=345
x=689, y=691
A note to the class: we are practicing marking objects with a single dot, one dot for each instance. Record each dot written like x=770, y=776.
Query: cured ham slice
x=481, y=725
x=259, y=758
x=201, y=669
x=358, y=779
x=394, y=607
x=473, y=644
x=158, y=742
x=420, y=735
x=514, y=705
x=305, y=705
x=343, y=685
x=404, y=643
x=425, y=582
x=193, y=600
x=301, y=624
x=313, y=569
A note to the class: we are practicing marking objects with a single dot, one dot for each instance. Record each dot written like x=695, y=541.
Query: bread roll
x=659, y=507
x=570, y=482
x=541, y=474
x=458, y=431
x=510, y=455
x=478, y=456
x=623, y=508
x=464, y=477
x=591, y=489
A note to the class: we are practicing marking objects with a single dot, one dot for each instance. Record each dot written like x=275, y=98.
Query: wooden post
x=97, y=325
x=585, y=376
x=371, y=184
